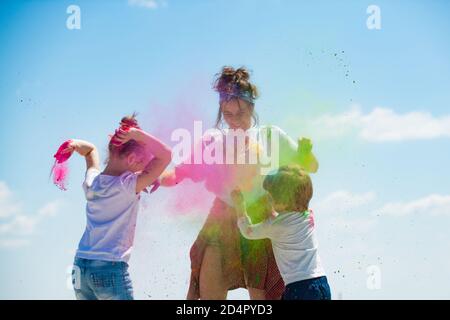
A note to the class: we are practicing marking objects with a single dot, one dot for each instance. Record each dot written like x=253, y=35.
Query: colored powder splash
x=335, y=60
x=201, y=182
x=60, y=169
x=321, y=66
x=60, y=173
x=161, y=119
x=195, y=194
x=222, y=178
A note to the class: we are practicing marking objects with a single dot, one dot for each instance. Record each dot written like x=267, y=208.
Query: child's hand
x=82, y=147
x=70, y=147
x=79, y=146
x=306, y=158
x=123, y=136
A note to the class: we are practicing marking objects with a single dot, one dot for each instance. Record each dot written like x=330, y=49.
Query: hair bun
x=229, y=78
x=241, y=74
x=129, y=121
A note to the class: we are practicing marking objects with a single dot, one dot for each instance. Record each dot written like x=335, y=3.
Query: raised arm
x=290, y=151
x=87, y=150
x=256, y=231
x=162, y=155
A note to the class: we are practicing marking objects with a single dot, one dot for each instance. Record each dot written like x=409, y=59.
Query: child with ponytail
x=136, y=159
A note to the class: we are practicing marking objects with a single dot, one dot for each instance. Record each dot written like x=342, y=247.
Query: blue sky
x=382, y=196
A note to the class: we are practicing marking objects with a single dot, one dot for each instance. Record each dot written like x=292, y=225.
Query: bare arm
x=185, y=170
x=254, y=231
x=87, y=150
x=162, y=155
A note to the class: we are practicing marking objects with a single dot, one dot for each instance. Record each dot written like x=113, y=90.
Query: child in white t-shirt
x=291, y=231
x=136, y=159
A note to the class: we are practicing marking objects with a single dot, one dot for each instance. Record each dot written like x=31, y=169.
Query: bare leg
x=212, y=284
x=256, y=294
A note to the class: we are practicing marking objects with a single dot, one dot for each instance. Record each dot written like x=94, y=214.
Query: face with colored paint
x=237, y=113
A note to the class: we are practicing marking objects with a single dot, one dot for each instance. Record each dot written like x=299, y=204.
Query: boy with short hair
x=291, y=231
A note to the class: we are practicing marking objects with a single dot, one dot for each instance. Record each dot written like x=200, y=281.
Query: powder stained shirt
x=294, y=244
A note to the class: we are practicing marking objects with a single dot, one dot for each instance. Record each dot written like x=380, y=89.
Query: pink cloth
x=122, y=128
x=60, y=169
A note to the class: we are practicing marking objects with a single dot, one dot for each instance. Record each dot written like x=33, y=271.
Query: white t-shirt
x=111, y=211
x=293, y=241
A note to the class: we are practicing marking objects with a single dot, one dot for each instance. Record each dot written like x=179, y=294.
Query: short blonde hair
x=290, y=186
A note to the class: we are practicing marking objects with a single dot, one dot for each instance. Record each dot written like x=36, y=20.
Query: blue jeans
x=101, y=280
x=311, y=289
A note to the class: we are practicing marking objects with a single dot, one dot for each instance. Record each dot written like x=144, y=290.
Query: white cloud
x=381, y=125
x=431, y=205
x=343, y=201
x=20, y=225
x=346, y=211
x=13, y=243
x=50, y=209
x=15, y=225
x=354, y=225
x=7, y=205
x=148, y=4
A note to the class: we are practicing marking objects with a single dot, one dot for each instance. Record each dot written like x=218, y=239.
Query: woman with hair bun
x=221, y=259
